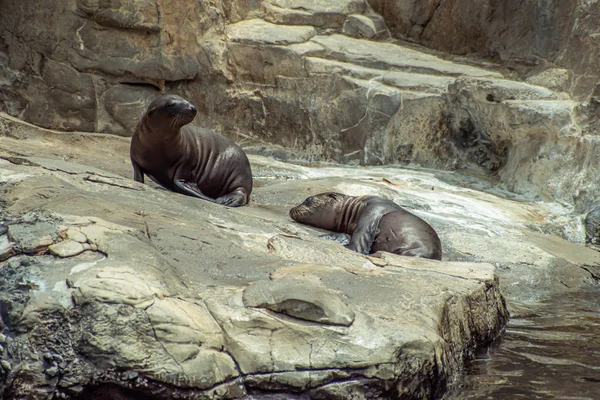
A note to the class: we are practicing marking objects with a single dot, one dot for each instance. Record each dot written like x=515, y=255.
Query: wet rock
x=300, y=299
x=66, y=248
x=6, y=366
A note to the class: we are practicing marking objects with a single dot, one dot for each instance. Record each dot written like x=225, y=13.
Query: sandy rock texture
x=107, y=285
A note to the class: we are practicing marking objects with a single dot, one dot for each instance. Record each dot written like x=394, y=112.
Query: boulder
x=141, y=291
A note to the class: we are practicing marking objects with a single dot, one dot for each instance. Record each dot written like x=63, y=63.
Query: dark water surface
x=550, y=350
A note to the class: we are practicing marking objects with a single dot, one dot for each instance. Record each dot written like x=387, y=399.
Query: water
x=550, y=350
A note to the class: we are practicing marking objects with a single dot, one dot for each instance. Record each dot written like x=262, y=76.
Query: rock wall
x=322, y=80
x=88, y=65
x=530, y=33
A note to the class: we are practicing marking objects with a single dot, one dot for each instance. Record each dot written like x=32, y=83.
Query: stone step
x=362, y=101
x=400, y=79
x=352, y=17
x=321, y=13
x=260, y=32
x=303, y=41
x=390, y=56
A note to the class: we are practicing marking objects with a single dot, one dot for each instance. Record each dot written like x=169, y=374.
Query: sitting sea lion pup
x=375, y=223
x=187, y=160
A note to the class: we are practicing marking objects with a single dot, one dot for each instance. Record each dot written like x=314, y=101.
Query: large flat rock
x=172, y=292
x=257, y=31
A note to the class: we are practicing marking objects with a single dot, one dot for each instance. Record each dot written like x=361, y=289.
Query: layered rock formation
x=110, y=286
x=302, y=75
x=113, y=287
x=531, y=35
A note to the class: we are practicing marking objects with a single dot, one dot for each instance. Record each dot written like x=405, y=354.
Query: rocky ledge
x=110, y=286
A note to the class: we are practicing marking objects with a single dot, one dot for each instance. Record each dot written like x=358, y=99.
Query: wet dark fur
x=374, y=223
x=184, y=159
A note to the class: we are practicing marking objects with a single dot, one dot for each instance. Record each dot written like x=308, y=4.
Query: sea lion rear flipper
x=234, y=199
x=191, y=189
x=366, y=229
x=342, y=238
x=138, y=174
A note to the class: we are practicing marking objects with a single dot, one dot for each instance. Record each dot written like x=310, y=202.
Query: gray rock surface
x=186, y=298
x=183, y=297
x=299, y=80
x=526, y=35
x=300, y=299
x=108, y=286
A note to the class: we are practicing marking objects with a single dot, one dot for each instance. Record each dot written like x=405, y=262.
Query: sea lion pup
x=375, y=223
x=184, y=159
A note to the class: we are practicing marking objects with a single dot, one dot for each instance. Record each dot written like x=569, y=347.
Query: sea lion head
x=323, y=210
x=170, y=111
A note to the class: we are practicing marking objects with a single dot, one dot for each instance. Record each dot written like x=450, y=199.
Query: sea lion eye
x=171, y=104
x=309, y=200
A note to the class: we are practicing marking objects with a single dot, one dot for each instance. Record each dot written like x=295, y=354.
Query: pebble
x=129, y=375
x=66, y=248
x=5, y=365
x=2, y=339
x=52, y=371
x=1, y=349
x=377, y=261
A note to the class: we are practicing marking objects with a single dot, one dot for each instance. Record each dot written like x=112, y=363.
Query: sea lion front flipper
x=138, y=174
x=366, y=229
x=342, y=238
x=191, y=189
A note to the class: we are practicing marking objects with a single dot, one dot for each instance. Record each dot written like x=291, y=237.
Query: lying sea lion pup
x=375, y=223
x=187, y=160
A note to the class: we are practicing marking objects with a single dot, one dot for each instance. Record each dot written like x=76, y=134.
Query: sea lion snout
x=185, y=107
x=174, y=108
x=318, y=210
